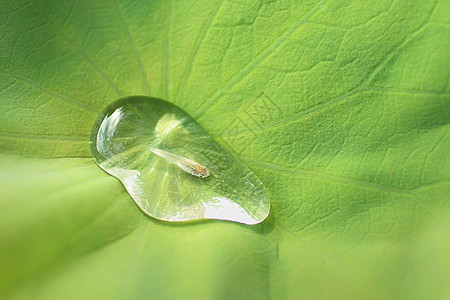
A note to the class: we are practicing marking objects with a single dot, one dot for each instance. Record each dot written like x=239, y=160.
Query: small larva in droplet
x=183, y=163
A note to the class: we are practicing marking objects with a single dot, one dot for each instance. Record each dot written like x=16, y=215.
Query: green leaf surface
x=341, y=108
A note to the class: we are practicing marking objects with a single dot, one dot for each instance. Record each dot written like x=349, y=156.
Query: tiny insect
x=183, y=163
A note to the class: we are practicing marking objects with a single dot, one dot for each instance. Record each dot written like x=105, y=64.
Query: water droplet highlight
x=157, y=151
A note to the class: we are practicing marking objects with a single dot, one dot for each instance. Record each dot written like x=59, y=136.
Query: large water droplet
x=123, y=143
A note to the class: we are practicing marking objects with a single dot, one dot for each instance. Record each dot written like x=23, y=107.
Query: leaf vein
x=297, y=237
x=48, y=91
x=166, y=50
x=257, y=60
x=79, y=50
x=133, y=48
x=197, y=47
x=43, y=137
x=333, y=178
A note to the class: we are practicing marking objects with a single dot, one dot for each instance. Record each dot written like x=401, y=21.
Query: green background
x=341, y=108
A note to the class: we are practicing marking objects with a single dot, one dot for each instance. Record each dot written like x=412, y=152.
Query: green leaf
x=341, y=108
